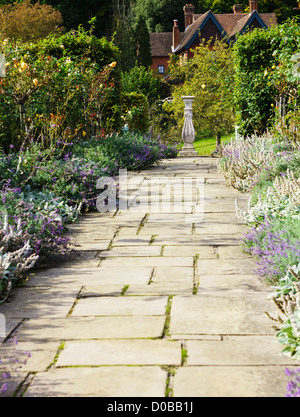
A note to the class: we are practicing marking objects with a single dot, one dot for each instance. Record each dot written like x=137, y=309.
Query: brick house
x=206, y=25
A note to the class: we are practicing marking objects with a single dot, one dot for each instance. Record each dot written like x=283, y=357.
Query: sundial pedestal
x=188, y=131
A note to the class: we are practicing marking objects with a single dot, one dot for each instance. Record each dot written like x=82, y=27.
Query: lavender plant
x=293, y=386
x=276, y=245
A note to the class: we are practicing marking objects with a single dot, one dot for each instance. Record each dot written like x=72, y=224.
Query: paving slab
x=184, y=229
x=120, y=306
x=39, y=302
x=120, y=352
x=204, y=252
x=80, y=328
x=230, y=381
x=132, y=251
x=146, y=261
x=234, y=313
x=167, y=218
x=201, y=240
x=225, y=267
x=93, y=245
x=237, y=351
x=164, y=274
x=92, y=276
x=128, y=232
x=224, y=205
x=15, y=380
x=7, y=326
x=165, y=208
x=232, y=252
x=136, y=241
x=115, y=381
x=236, y=283
x=160, y=289
x=42, y=354
x=81, y=259
x=203, y=337
x=101, y=290
x=219, y=228
x=228, y=218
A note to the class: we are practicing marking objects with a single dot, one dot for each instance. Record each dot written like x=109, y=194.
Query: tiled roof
x=161, y=43
x=191, y=29
x=230, y=21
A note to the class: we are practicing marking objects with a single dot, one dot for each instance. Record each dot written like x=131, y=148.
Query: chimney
x=253, y=5
x=175, y=35
x=238, y=9
x=189, y=10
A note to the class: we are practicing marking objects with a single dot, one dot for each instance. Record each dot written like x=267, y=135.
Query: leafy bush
x=59, y=96
x=143, y=80
x=129, y=150
x=76, y=44
x=135, y=111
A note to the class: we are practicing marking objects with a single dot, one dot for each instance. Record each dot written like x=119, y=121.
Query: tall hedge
x=253, y=54
x=257, y=60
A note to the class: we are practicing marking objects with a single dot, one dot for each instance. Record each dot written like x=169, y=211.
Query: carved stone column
x=188, y=131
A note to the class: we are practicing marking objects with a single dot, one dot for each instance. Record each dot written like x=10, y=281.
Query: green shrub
x=96, y=54
x=263, y=61
x=136, y=111
x=62, y=97
x=144, y=80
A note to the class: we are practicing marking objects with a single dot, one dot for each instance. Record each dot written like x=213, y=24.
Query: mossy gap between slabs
x=114, y=236
x=143, y=222
x=193, y=228
x=153, y=237
x=195, y=274
x=153, y=273
x=166, y=328
x=75, y=302
x=24, y=385
x=184, y=354
x=171, y=370
x=125, y=288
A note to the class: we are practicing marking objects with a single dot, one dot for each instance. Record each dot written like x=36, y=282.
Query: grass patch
x=205, y=144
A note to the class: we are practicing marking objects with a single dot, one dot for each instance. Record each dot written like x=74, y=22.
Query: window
x=161, y=69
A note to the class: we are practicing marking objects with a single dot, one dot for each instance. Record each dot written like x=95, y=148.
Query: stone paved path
x=160, y=303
